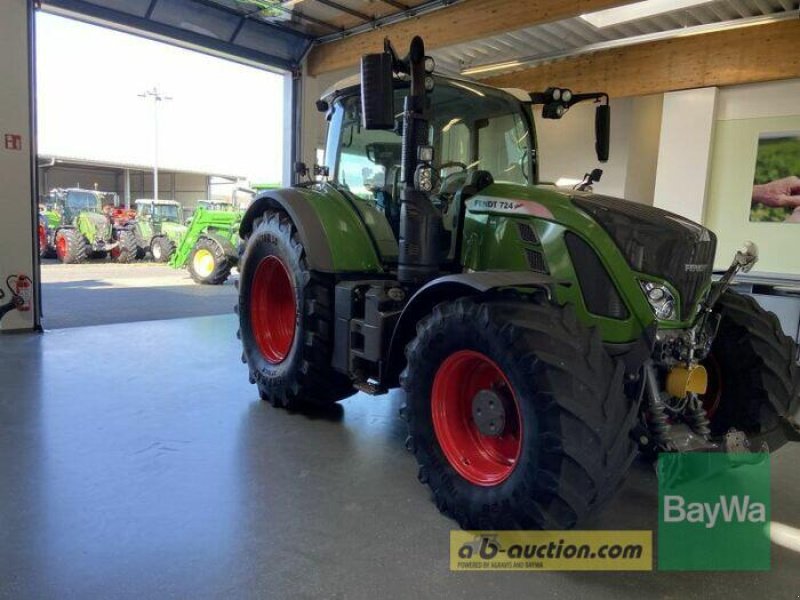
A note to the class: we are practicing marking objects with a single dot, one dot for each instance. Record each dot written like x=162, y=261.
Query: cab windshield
x=472, y=128
x=78, y=201
x=166, y=212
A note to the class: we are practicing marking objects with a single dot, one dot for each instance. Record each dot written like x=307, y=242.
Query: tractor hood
x=99, y=227
x=174, y=231
x=656, y=242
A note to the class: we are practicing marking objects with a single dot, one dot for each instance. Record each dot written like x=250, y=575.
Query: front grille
x=527, y=234
x=536, y=261
x=657, y=243
x=600, y=295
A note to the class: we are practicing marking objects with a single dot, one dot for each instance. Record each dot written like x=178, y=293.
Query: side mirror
x=377, y=93
x=602, y=131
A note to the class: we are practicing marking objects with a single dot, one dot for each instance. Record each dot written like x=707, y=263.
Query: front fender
x=331, y=231
x=449, y=288
x=230, y=250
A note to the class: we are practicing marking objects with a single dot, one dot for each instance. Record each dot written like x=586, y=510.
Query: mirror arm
x=596, y=96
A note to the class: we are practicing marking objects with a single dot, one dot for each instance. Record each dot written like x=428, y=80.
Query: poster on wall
x=776, y=184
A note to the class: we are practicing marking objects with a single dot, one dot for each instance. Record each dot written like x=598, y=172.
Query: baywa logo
x=714, y=511
x=729, y=508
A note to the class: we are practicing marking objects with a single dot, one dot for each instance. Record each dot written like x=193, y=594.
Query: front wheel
x=71, y=246
x=127, y=248
x=516, y=414
x=286, y=319
x=161, y=248
x=208, y=263
x=45, y=251
x=755, y=381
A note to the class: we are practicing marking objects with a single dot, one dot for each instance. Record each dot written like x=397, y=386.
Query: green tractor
x=159, y=228
x=210, y=247
x=74, y=227
x=542, y=336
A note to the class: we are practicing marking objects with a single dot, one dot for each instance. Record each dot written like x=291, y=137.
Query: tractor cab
x=73, y=201
x=476, y=132
x=159, y=211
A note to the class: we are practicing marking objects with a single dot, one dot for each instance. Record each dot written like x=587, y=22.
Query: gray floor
x=102, y=292
x=151, y=470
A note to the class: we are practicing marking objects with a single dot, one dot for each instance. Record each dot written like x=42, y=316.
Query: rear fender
x=331, y=230
x=448, y=289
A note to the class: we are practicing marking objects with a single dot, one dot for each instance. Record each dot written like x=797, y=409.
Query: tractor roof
x=161, y=202
x=350, y=85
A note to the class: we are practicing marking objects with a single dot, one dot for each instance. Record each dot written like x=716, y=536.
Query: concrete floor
x=152, y=470
x=100, y=293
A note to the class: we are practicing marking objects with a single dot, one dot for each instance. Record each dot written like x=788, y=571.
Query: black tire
x=563, y=380
x=222, y=265
x=162, y=248
x=752, y=366
x=305, y=375
x=128, y=249
x=74, y=249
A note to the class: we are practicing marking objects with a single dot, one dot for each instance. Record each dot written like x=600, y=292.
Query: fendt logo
x=730, y=509
x=696, y=268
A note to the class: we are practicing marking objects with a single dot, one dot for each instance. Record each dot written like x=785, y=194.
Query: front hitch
x=744, y=260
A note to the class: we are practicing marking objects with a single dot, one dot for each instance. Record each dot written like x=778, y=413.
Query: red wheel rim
x=480, y=459
x=61, y=246
x=273, y=310
x=713, y=396
x=42, y=238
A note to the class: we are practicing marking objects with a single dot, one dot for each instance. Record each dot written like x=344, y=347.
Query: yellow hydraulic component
x=684, y=379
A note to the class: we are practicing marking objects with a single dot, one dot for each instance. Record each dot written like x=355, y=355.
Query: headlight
x=661, y=300
x=424, y=178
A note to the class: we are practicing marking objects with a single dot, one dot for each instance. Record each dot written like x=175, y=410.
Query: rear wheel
x=45, y=251
x=127, y=249
x=286, y=319
x=208, y=263
x=161, y=248
x=71, y=246
x=754, y=379
x=516, y=414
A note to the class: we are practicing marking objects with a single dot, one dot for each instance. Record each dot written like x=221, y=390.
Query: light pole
x=157, y=97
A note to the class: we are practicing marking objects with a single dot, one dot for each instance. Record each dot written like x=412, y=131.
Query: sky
x=224, y=117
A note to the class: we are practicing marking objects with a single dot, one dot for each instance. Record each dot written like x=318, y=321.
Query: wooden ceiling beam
x=736, y=56
x=465, y=21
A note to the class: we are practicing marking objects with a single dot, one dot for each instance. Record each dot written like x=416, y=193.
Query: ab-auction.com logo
x=551, y=550
x=714, y=511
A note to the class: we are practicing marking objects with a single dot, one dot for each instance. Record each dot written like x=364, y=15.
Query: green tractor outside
x=210, y=248
x=74, y=228
x=159, y=228
x=543, y=336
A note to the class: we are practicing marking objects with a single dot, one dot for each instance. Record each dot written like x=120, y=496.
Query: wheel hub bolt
x=488, y=413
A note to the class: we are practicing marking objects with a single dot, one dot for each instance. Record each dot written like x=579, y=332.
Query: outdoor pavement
x=100, y=293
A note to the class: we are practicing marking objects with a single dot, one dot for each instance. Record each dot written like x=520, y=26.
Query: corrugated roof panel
x=574, y=34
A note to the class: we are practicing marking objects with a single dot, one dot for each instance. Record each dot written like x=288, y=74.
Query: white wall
x=16, y=178
x=644, y=138
x=743, y=113
x=566, y=147
x=687, y=127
